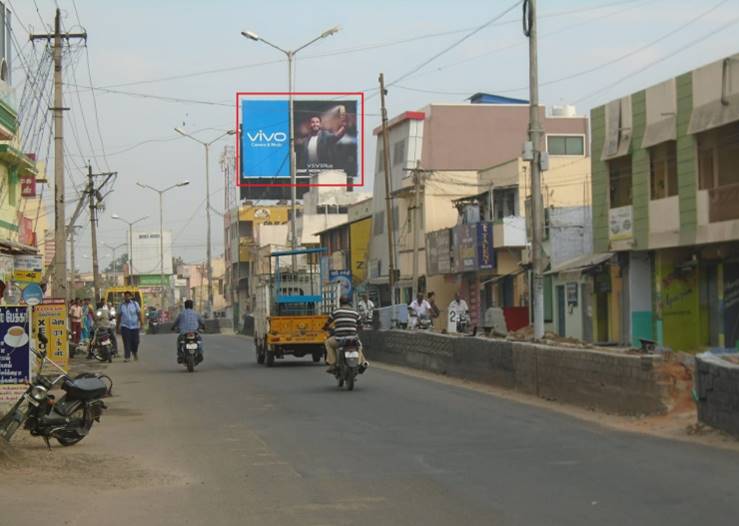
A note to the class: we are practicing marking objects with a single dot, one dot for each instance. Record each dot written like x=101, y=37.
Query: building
x=665, y=170
x=437, y=155
x=347, y=244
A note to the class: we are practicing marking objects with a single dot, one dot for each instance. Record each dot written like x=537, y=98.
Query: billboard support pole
x=293, y=174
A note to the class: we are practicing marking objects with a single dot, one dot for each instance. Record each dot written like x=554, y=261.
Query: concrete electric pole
x=388, y=190
x=535, y=136
x=59, y=285
x=93, y=196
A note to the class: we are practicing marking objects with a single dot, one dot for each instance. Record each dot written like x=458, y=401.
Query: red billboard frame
x=240, y=94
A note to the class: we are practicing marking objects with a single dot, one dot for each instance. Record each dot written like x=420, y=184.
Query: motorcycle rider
x=188, y=321
x=460, y=309
x=102, y=325
x=345, y=321
x=366, y=308
x=419, y=308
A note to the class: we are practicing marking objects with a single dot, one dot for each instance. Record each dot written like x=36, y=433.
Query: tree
x=117, y=265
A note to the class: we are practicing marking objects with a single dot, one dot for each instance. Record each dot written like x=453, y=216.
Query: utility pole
x=72, y=267
x=417, y=172
x=535, y=135
x=93, y=195
x=59, y=284
x=388, y=196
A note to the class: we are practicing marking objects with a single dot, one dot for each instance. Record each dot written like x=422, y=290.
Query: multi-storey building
x=665, y=167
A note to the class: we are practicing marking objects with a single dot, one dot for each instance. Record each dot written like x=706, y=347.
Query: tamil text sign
x=15, y=355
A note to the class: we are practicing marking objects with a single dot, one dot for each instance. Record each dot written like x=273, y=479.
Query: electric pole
x=388, y=196
x=535, y=135
x=94, y=199
x=72, y=267
x=59, y=284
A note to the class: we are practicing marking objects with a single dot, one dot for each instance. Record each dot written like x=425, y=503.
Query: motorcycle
x=68, y=419
x=420, y=322
x=153, y=326
x=347, y=362
x=189, y=350
x=102, y=347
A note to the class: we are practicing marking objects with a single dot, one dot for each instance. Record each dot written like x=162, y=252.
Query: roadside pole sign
x=15, y=353
x=50, y=319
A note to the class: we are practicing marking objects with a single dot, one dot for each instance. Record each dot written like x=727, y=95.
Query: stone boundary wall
x=717, y=387
x=605, y=381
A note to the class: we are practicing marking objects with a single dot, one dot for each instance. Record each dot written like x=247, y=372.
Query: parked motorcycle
x=190, y=350
x=68, y=419
x=347, y=362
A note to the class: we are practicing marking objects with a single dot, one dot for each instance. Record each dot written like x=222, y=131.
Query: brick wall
x=610, y=382
x=717, y=387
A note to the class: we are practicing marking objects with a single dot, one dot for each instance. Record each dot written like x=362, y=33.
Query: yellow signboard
x=50, y=319
x=275, y=215
x=27, y=276
x=359, y=239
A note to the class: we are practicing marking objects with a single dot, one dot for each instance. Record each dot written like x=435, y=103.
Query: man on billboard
x=325, y=137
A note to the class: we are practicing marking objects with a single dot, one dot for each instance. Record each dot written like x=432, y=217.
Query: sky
x=192, y=54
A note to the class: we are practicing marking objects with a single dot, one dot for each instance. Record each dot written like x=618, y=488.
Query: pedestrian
x=75, y=317
x=128, y=324
x=431, y=298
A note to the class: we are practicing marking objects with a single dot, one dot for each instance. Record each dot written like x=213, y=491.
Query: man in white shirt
x=458, y=309
x=420, y=308
x=366, y=308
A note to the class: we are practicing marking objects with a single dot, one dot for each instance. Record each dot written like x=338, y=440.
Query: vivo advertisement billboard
x=265, y=139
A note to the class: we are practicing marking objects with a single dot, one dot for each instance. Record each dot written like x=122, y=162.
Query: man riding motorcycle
x=102, y=326
x=345, y=321
x=187, y=321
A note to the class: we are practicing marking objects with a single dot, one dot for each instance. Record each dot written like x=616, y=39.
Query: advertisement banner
x=326, y=136
x=465, y=245
x=15, y=354
x=50, y=319
x=28, y=268
x=485, y=252
x=344, y=278
x=28, y=185
x=265, y=139
x=620, y=223
x=360, y=233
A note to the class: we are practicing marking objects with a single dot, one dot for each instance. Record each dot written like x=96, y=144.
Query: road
x=237, y=443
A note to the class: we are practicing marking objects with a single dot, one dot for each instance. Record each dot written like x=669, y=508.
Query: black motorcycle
x=190, y=350
x=68, y=419
x=102, y=346
x=347, y=362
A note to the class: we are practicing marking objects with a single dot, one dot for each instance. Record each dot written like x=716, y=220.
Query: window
x=399, y=153
x=619, y=178
x=504, y=202
x=663, y=170
x=566, y=144
x=718, y=157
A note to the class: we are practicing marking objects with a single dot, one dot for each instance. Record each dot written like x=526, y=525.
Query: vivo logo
x=261, y=136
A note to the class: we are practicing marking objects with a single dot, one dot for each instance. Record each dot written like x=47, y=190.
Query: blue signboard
x=485, y=252
x=265, y=139
x=15, y=356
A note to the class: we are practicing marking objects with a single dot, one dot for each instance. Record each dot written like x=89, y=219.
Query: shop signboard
x=50, y=319
x=15, y=354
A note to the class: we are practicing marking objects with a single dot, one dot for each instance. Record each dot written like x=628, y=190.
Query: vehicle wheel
x=260, y=357
x=317, y=357
x=190, y=363
x=340, y=381
x=350, y=382
x=270, y=358
x=71, y=437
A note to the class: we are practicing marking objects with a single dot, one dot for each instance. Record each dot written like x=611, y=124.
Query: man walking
x=128, y=325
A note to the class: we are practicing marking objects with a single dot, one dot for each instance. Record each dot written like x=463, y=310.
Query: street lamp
x=130, y=242
x=161, y=227
x=209, y=308
x=115, y=261
x=293, y=176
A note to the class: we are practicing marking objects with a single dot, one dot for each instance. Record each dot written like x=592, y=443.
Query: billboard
x=325, y=136
x=145, y=253
x=265, y=139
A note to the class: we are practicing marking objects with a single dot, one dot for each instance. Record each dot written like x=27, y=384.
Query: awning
x=660, y=131
x=581, y=263
x=714, y=114
x=618, y=129
x=13, y=247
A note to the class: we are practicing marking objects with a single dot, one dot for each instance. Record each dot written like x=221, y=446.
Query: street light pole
x=161, y=193
x=209, y=250
x=130, y=242
x=290, y=54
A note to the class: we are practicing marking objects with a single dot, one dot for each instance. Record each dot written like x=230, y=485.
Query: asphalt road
x=237, y=443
